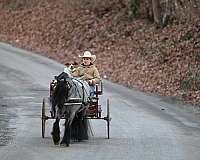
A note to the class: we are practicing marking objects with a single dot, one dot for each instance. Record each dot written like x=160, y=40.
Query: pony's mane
x=63, y=75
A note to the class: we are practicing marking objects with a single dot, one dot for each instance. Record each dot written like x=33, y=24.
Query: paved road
x=143, y=127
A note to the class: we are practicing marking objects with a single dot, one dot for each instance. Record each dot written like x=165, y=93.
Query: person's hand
x=90, y=82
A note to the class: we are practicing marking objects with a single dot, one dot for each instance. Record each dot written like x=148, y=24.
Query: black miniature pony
x=70, y=101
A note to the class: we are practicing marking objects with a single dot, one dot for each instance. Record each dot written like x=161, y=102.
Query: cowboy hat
x=88, y=54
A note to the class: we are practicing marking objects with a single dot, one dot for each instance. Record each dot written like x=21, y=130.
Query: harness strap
x=83, y=94
x=83, y=89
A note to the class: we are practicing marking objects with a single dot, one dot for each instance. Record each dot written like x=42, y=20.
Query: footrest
x=91, y=111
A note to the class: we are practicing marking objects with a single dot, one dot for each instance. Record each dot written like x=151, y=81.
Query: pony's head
x=61, y=92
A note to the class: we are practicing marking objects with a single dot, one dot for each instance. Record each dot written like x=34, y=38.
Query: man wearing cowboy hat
x=87, y=70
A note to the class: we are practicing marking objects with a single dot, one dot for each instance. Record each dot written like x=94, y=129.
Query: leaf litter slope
x=134, y=53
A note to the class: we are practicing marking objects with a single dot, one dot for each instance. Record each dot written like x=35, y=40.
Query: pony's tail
x=80, y=128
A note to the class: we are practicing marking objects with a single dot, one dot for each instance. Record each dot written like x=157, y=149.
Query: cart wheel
x=43, y=118
x=108, y=119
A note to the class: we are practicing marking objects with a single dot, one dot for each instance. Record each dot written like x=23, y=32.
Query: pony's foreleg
x=67, y=134
x=53, y=110
x=56, y=132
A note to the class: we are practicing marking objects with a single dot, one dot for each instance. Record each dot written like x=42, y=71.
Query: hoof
x=63, y=144
x=56, y=143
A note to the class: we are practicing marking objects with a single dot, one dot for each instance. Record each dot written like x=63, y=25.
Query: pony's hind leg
x=82, y=127
x=56, y=132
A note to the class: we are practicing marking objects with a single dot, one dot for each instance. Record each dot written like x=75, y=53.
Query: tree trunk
x=167, y=11
x=157, y=12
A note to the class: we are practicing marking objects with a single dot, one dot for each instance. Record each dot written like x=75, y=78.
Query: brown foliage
x=131, y=53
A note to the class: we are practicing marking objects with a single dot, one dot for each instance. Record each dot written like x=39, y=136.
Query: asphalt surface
x=143, y=127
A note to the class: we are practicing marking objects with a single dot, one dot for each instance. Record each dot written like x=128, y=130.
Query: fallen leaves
x=131, y=53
